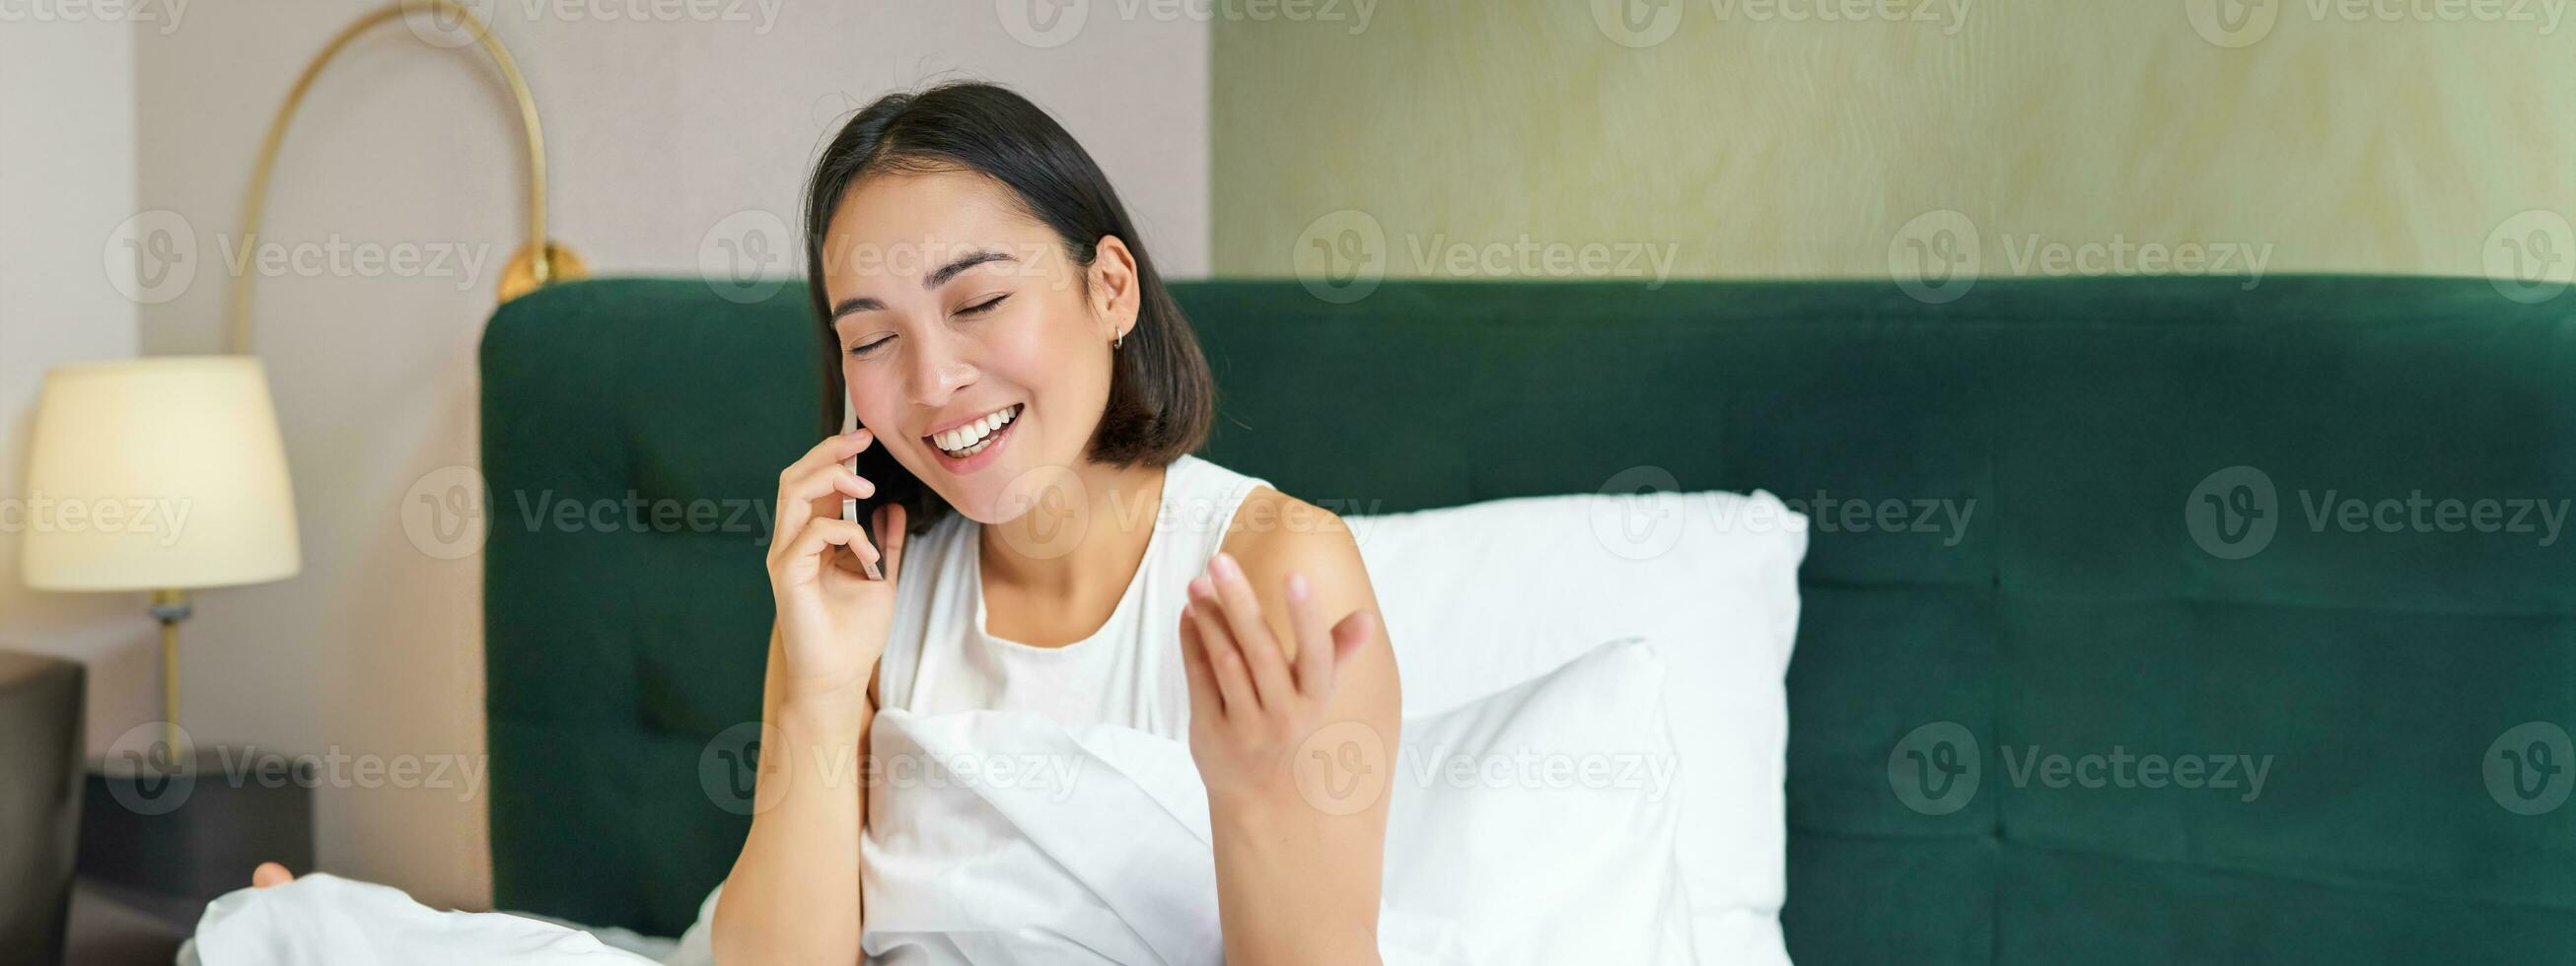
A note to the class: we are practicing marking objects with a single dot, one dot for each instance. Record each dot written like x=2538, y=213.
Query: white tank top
x=939, y=657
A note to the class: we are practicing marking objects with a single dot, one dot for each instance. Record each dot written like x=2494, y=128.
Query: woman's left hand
x=1251, y=704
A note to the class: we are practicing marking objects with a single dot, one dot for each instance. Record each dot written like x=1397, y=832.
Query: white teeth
x=971, y=438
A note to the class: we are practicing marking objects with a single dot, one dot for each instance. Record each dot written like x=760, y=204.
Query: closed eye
x=978, y=308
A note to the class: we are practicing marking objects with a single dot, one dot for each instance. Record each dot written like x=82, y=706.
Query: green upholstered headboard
x=2118, y=589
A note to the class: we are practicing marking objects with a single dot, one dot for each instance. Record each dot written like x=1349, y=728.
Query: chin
x=981, y=497
x=1012, y=488
x=973, y=506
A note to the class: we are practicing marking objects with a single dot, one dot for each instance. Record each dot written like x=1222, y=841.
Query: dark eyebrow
x=933, y=280
x=963, y=262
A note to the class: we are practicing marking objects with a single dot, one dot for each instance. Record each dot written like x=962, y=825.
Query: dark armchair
x=40, y=748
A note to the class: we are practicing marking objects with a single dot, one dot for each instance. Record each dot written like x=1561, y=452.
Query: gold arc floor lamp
x=538, y=262
x=105, y=434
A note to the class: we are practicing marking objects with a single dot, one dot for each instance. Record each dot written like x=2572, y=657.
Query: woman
x=1029, y=397
x=991, y=317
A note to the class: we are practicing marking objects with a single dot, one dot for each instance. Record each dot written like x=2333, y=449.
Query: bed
x=2158, y=558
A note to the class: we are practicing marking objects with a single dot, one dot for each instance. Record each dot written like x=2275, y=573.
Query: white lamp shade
x=158, y=473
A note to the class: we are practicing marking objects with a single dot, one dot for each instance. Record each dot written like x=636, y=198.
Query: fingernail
x=1224, y=566
x=1296, y=586
x=1199, y=587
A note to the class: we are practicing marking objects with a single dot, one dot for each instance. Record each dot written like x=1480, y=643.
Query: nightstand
x=165, y=840
x=40, y=740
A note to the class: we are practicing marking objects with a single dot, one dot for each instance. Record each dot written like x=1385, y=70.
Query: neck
x=1084, y=536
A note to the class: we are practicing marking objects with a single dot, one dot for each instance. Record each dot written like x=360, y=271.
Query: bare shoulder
x=1274, y=534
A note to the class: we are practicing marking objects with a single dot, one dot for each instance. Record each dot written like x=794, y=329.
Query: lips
x=984, y=451
x=965, y=438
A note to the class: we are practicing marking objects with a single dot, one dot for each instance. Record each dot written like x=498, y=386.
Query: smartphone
x=850, y=504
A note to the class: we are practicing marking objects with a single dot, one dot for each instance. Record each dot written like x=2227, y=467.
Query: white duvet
x=1010, y=839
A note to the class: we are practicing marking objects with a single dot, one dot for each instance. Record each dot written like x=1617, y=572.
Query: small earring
x=1121, y=340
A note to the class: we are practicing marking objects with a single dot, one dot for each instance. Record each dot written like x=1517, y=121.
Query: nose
x=937, y=371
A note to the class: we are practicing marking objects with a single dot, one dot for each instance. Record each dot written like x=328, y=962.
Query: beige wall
x=1735, y=141
x=1738, y=144
x=67, y=180
x=661, y=135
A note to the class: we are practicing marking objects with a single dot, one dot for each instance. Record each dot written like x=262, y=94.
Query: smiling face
x=970, y=341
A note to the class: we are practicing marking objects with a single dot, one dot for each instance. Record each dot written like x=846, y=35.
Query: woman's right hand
x=832, y=618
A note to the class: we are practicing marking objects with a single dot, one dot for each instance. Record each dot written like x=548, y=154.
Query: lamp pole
x=170, y=607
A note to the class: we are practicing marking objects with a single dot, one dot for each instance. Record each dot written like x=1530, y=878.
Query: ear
x=1115, y=294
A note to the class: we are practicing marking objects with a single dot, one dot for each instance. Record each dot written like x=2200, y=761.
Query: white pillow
x=1536, y=825
x=1481, y=597
x=1495, y=855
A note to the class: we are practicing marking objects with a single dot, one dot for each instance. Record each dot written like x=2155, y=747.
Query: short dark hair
x=1162, y=398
